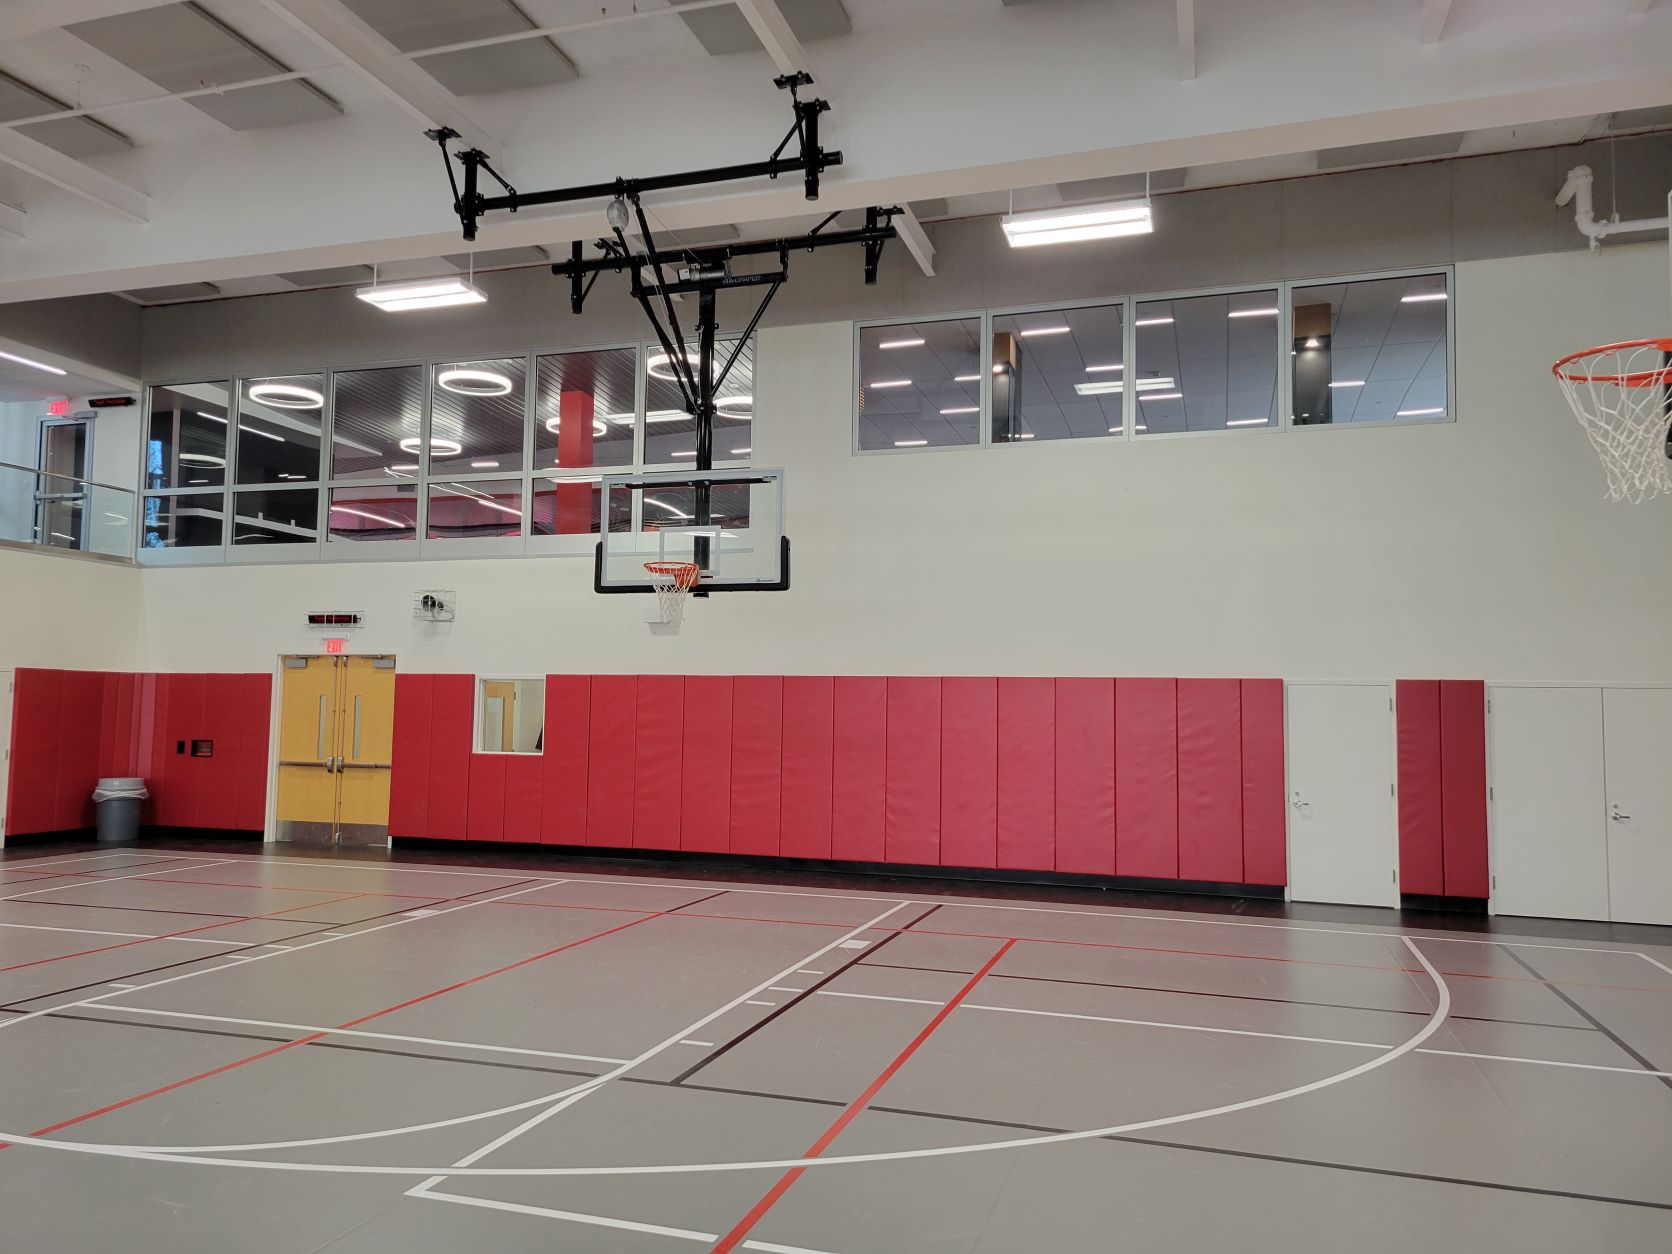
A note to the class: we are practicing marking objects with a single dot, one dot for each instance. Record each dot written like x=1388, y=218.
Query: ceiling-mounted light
x=1246, y=422
x=1161, y=321
x=1079, y=222
x=889, y=345
x=962, y=409
x=599, y=427
x=1032, y=331
x=1311, y=343
x=1105, y=368
x=473, y=382
x=1420, y=413
x=891, y=383
x=1413, y=298
x=438, y=447
x=1347, y=383
x=37, y=365
x=910, y=443
x=660, y=365
x=203, y=459
x=741, y=408
x=421, y=294
x=966, y=378
x=285, y=396
x=1263, y=311
x=1163, y=396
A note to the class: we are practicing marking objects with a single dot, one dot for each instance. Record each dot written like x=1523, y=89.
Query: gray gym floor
x=295, y=1055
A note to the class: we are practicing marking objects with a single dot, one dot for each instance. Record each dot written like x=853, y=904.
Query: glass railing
x=57, y=511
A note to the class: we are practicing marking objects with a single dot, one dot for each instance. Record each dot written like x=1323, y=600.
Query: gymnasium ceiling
x=956, y=107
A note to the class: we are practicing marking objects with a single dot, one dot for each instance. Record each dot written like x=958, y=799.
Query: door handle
x=1617, y=816
x=1305, y=807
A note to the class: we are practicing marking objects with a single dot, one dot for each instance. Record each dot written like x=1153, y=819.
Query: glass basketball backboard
x=736, y=536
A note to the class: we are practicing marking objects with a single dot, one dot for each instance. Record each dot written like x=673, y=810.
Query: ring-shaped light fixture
x=286, y=396
x=203, y=459
x=599, y=426
x=659, y=365
x=473, y=382
x=738, y=408
x=438, y=446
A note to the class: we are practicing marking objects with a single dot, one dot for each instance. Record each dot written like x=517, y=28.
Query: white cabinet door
x=1549, y=844
x=1343, y=839
x=1637, y=728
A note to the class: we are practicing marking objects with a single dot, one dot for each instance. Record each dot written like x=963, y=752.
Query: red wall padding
x=409, y=787
x=1265, y=815
x=69, y=728
x=1159, y=778
x=1442, y=787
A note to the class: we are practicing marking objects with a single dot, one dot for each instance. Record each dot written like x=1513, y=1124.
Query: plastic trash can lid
x=124, y=783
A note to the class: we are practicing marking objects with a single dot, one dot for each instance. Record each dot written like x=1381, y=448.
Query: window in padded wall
x=510, y=715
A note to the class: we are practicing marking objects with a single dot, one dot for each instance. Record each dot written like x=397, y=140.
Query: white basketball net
x=1622, y=396
x=673, y=582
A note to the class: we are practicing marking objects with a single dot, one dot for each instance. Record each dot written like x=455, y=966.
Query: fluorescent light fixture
x=203, y=459
x=1102, y=387
x=598, y=427
x=59, y=535
x=1163, y=396
x=212, y=417
x=891, y=383
x=484, y=465
x=741, y=408
x=1347, y=383
x=1032, y=331
x=891, y=344
x=1140, y=427
x=741, y=452
x=421, y=294
x=1415, y=298
x=1104, y=369
x=438, y=446
x=1114, y=430
x=286, y=475
x=37, y=365
x=1246, y=422
x=405, y=468
x=285, y=396
x=1024, y=435
x=192, y=483
x=1420, y=413
x=579, y=479
x=1079, y=222
x=963, y=409
x=684, y=452
x=1265, y=311
x=266, y=435
x=363, y=513
x=909, y=443
x=473, y=382
x=1159, y=321
x=966, y=378
x=660, y=365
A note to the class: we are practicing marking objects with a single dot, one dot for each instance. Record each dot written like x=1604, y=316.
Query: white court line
x=809, y=971
x=1432, y=1025
x=121, y=985
x=753, y=1002
x=603, y=1221
x=1218, y=1031
x=376, y=1036
x=82, y=858
x=88, y=931
x=109, y=879
x=779, y=988
x=949, y=903
x=701, y=1044
x=1654, y=962
x=570, y=1096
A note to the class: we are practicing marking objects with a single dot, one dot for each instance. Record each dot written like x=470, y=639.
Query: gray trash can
x=119, y=801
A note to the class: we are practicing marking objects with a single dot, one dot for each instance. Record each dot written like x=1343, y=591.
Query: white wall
x=69, y=612
x=1480, y=548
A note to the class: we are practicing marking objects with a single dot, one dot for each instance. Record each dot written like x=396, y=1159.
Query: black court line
x=24, y=1002
x=1192, y=992
x=786, y=1007
x=88, y=905
x=941, y=1116
x=697, y=902
x=1593, y=1020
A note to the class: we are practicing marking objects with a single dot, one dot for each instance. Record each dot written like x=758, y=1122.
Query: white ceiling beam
x=52, y=166
x=12, y=220
x=1434, y=15
x=771, y=27
x=344, y=35
x=1187, y=40
x=916, y=240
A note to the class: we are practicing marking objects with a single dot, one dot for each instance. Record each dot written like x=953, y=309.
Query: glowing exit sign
x=335, y=646
x=58, y=408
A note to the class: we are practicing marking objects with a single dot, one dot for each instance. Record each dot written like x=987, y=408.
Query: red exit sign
x=58, y=408
x=335, y=646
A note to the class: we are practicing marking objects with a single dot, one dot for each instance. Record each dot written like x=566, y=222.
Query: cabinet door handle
x=1617, y=816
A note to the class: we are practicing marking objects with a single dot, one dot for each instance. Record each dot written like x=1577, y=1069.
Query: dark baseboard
x=51, y=838
x=83, y=835
x=1433, y=902
x=675, y=860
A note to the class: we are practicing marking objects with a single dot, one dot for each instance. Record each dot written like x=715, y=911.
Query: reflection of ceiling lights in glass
x=1032, y=331
x=439, y=447
x=1420, y=413
x=37, y=365
x=741, y=452
x=909, y=443
x=1080, y=222
x=1102, y=387
x=484, y=465
x=661, y=504
x=1161, y=321
x=1347, y=383
x=1115, y=365
x=362, y=513
x=1414, y=298
x=889, y=383
x=203, y=459
x=1163, y=396
x=421, y=294
x=1264, y=311
x=1246, y=422
x=684, y=452
x=887, y=345
x=962, y=409
x=1312, y=342
x=660, y=365
x=473, y=382
x=966, y=378
x=285, y=395
x=740, y=407
x=598, y=427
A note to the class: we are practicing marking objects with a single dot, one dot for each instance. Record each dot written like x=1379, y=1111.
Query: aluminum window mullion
x=984, y=426
x=1285, y=359
x=1129, y=370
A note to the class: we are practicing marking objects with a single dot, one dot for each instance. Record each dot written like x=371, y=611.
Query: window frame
x=983, y=420
x=478, y=707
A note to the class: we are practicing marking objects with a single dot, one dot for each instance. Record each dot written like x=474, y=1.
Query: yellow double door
x=336, y=728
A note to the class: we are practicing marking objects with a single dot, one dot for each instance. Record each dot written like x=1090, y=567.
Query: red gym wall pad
x=1442, y=787
x=1167, y=779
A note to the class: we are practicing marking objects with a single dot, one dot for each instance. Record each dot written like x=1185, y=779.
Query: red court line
x=731, y=1239
x=145, y=940
x=314, y=1036
x=1147, y=949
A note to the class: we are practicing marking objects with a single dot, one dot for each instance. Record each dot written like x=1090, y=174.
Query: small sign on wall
x=335, y=646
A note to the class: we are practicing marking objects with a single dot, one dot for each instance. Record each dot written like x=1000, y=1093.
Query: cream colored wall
x=1480, y=548
x=68, y=612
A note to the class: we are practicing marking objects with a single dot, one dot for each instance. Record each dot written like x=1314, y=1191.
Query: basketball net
x=1622, y=396
x=673, y=582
